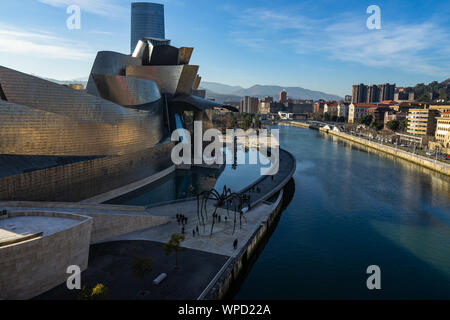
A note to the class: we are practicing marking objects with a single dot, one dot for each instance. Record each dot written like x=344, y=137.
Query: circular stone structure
x=36, y=248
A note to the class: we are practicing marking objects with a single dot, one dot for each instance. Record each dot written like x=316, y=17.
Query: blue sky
x=320, y=45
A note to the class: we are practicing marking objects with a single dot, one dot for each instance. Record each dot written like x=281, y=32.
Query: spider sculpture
x=226, y=199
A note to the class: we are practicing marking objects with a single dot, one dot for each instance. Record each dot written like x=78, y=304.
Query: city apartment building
x=422, y=122
x=299, y=108
x=443, y=127
x=359, y=93
x=404, y=97
x=249, y=105
x=378, y=112
x=357, y=111
x=331, y=108
x=342, y=110
x=441, y=108
x=264, y=107
x=373, y=93
x=318, y=106
x=405, y=106
x=283, y=96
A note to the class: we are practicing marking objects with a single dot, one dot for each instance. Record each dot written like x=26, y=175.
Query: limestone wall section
x=110, y=225
x=32, y=267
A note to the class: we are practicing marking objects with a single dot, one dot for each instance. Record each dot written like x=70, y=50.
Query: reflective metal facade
x=197, y=81
x=68, y=145
x=109, y=62
x=197, y=103
x=43, y=118
x=126, y=91
x=173, y=80
x=147, y=20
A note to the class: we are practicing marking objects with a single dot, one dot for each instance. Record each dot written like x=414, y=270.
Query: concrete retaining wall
x=32, y=267
x=107, y=225
x=422, y=161
x=242, y=262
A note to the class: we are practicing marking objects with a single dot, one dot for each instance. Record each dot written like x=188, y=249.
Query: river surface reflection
x=354, y=208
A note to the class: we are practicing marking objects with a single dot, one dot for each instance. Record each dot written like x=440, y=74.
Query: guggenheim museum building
x=61, y=144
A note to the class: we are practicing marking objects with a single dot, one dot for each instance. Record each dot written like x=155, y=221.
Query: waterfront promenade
x=429, y=163
x=207, y=257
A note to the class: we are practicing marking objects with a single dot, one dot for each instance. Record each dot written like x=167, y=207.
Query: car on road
x=429, y=153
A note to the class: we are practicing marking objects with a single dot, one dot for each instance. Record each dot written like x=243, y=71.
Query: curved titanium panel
x=28, y=131
x=198, y=103
x=184, y=55
x=43, y=118
x=139, y=50
x=174, y=80
x=108, y=62
x=126, y=91
x=31, y=91
x=164, y=56
x=197, y=81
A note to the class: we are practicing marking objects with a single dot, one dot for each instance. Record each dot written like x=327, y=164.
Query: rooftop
x=21, y=228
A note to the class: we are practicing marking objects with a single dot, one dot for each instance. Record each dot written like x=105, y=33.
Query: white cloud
x=39, y=44
x=100, y=7
x=417, y=47
x=268, y=19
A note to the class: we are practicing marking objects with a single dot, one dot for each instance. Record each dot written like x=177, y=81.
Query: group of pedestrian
x=246, y=199
x=217, y=217
x=195, y=232
x=182, y=219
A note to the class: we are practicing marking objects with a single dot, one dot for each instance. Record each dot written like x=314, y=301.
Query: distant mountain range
x=222, y=92
x=82, y=80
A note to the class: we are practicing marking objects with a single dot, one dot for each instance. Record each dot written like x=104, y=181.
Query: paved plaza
x=221, y=240
x=110, y=264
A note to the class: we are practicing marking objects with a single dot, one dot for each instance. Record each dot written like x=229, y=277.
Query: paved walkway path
x=267, y=186
x=221, y=241
x=219, y=245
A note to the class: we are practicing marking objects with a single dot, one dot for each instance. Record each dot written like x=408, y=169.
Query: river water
x=354, y=208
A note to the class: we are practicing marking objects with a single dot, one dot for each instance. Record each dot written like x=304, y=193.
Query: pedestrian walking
x=235, y=244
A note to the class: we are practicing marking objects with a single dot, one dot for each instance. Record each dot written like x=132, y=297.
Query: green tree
x=404, y=124
x=424, y=98
x=99, y=292
x=174, y=245
x=393, y=125
x=141, y=267
x=443, y=94
x=377, y=125
x=326, y=116
x=366, y=120
x=247, y=122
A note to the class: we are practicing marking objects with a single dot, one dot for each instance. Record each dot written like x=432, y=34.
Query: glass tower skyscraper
x=147, y=20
